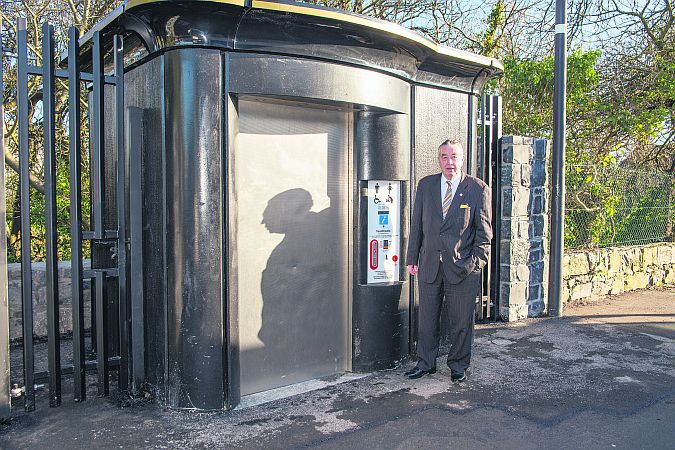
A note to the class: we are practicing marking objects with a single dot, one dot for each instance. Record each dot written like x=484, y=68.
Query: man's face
x=450, y=158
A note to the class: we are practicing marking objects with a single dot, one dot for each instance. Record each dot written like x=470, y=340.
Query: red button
x=374, y=254
x=394, y=258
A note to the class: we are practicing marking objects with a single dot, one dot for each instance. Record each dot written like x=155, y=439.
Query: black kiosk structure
x=273, y=149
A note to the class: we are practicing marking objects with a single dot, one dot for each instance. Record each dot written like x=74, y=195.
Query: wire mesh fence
x=612, y=206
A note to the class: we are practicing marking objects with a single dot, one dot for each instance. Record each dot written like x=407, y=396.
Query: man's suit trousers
x=461, y=303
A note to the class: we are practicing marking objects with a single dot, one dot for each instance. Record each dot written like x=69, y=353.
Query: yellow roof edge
x=387, y=27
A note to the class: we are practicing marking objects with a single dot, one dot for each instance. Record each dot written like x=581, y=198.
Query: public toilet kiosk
x=275, y=147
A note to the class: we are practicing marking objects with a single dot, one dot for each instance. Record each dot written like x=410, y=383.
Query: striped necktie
x=447, y=199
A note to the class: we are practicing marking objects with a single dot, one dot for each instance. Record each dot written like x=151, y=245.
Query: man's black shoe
x=416, y=372
x=458, y=377
x=416, y=368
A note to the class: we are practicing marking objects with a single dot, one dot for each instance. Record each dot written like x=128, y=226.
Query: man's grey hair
x=450, y=142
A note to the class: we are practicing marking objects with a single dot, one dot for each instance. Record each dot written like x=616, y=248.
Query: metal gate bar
x=96, y=140
x=5, y=400
x=48, y=73
x=134, y=143
x=101, y=323
x=483, y=173
x=492, y=130
x=74, y=117
x=48, y=104
x=123, y=373
x=24, y=168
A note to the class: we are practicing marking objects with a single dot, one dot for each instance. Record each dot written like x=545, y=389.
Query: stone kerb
x=524, y=228
x=591, y=274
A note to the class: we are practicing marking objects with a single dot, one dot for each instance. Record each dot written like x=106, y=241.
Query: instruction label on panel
x=384, y=230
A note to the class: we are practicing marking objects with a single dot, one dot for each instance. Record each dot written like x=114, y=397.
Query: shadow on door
x=291, y=164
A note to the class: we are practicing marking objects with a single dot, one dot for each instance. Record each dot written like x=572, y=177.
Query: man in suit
x=448, y=246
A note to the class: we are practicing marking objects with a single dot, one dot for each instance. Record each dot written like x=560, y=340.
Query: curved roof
x=297, y=29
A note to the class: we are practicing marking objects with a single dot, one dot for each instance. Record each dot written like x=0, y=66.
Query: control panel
x=384, y=231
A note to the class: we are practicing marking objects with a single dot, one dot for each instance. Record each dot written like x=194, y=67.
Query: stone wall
x=590, y=274
x=39, y=288
x=523, y=237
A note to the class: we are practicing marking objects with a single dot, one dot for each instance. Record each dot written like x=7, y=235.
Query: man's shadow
x=301, y=288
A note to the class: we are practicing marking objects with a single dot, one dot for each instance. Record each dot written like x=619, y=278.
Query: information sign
x=384, y=230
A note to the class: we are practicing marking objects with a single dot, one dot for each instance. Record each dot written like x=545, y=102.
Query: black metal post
x=495, y=149
x=496, y=162
x=134, y=130
x=483, y=158
x=470, y=131
x=53, y=328
x=74, y=117
x=96, y=137
x=412, y=293
x=24, y=177
x=124, y=325
x=558, y=168
x=101, y=344
x=496, y=121
x=5, y=398
x=484, y=152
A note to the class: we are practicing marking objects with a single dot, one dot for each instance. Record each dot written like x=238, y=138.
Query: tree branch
x=13, y=163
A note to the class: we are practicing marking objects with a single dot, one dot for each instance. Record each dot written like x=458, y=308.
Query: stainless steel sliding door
x=291, y=168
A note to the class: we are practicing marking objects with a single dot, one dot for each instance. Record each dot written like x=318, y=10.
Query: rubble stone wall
x=39, y=288
x=590, y=274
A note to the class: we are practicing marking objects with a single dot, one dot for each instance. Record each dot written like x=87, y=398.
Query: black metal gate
x=489, y=133
x=110, y=337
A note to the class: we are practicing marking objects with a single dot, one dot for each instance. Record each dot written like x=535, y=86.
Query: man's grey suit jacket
x=463, y=238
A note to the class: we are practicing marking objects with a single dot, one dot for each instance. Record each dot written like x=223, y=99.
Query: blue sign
x=384, y=219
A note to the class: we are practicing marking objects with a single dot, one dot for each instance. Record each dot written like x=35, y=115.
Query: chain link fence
x=611, y=206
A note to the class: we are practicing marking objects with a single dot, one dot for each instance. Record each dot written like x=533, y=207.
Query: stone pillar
x=525, y=226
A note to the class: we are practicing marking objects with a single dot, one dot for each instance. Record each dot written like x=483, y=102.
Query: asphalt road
x=603, y=377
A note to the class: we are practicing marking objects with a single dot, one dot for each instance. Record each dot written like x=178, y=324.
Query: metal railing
x=613, y=206
x=103, y=362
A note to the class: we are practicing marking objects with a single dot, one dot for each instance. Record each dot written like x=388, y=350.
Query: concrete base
x=260, y=398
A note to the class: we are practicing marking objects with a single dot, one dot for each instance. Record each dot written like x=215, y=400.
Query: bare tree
x=638, y=42
x=83, y=14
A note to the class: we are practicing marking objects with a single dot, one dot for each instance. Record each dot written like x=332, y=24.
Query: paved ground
x=602, y=377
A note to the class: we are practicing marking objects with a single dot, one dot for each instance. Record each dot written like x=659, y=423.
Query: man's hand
x=412, y=269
